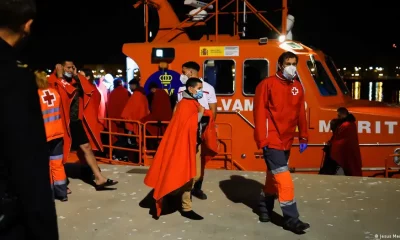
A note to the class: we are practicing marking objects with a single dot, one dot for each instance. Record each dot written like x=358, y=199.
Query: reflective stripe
x=280, y=170
x=60, y=182
x=52, y=118
x=58, y=157
x=288, y=203
x=52, y=110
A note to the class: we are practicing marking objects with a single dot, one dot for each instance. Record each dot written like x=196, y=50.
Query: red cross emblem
x=295, y=91
x=48, y=98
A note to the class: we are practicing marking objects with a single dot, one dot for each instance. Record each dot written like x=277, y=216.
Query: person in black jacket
x=27, y=208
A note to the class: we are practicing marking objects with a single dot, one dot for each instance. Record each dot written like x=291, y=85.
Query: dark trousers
x=278, y=184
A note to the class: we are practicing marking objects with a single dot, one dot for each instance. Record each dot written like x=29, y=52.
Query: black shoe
x=191, y=215
x=264, y=217
x=296, y=226
x=64, y=199
x=199, y=194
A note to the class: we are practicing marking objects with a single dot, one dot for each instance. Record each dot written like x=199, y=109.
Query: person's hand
x=265, y=150
x=303, y=147
x=59, y=70
x=201, y=109
x=75, y=71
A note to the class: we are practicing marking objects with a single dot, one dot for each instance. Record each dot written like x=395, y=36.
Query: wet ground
x=336, y=207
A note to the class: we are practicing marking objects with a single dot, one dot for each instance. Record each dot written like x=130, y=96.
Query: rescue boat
x=234, y=66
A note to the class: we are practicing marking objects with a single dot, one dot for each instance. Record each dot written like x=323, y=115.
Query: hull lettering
x=377, y=127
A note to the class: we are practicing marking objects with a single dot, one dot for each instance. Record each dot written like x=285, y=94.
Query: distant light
x=49, y=70
x=159, y=53
x=352, y=74
x=281, y=38
x=101, y=70
x=394, y=45
x=150, y=34
x=344, y=69
x=119, y=70
x=380, y=74
x=357, y=74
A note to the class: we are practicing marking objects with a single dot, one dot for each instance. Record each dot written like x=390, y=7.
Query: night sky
x=353, y=32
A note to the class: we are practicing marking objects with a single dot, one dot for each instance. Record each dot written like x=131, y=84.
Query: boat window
x=254, y=70
x=221, y=74
x=336, y=75
x=321, y=78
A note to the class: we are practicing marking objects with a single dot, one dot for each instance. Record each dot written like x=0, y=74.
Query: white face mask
x=184, y=78
x=68, y=75
x=289, y=72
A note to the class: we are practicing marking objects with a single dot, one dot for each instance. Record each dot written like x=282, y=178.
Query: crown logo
x=165, y=79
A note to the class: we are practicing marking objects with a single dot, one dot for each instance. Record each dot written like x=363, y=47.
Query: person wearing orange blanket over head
x=160, y=109
x=137, y=106
x=50, y=103
x=177, y=163
x=79, y=113
x=116, y=104
x=345, y=148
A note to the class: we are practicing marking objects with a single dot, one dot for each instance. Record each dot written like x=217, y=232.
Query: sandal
x=108, y=183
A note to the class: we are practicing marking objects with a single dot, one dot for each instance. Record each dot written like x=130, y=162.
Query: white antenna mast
x=244, y=19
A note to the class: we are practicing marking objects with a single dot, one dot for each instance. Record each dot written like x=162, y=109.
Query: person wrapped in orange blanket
x=177, y=163
x=136, y=108
x=160, y=110
x=79, y=112
x=345, y=148
x=116, y=103
x=50, y=103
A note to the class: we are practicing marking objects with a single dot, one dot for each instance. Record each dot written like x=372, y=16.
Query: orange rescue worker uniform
x=50, y=103
x=278, y=108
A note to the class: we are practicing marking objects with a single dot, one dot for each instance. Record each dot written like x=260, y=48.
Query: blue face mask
x=198, y=94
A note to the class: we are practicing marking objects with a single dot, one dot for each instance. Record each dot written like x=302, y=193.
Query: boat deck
x=336, y=207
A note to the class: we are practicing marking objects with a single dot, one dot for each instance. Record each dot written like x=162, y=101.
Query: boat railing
x=146, y=154
x=219, y=11
x=108, y=148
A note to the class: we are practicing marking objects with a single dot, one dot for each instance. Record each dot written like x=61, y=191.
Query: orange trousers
x=58, y=178
x=278, y=184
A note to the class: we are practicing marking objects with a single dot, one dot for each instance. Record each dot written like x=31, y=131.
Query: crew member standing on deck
x=27, y=208
x=50, y=103
x=278, y=108
x=209, y=102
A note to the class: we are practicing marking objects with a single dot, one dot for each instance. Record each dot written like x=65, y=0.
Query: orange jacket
x=89, y=114
x=50, y=103
x=278, y=108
